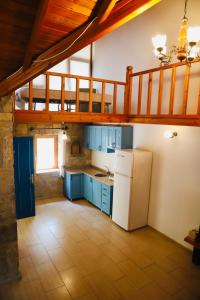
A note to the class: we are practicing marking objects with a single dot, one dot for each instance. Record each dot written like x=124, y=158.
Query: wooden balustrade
x=104, y=100
x=142, y=108
x=183, y=117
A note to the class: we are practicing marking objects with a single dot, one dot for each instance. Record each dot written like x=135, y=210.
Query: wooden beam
x=192, y=120
x=71, y=117
x=58, y=53
x=105, y=10
x=39, y=18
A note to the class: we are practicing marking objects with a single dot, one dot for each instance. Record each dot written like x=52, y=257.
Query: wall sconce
x=170, y=134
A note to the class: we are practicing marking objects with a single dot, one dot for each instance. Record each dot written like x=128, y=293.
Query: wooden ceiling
x=38, y=29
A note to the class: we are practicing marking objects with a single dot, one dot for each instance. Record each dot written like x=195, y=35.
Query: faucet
x=108, y=171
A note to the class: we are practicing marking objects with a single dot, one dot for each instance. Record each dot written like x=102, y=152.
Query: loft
x=164, y=95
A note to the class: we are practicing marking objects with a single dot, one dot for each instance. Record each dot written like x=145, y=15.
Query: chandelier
x=188, y=47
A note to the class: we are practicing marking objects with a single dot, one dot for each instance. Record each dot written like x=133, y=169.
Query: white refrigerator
x=132, y=179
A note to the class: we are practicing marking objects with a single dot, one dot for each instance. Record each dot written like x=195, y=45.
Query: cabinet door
x=107, y=196
x=67, y=186
x=127, y=138
x=118, y=137
x=76, y=186
x=104, y=138
x=87, y=136
x=97, y=193
x=92, y=138
x=111, y=137
x=97, y=137
x=87, y=187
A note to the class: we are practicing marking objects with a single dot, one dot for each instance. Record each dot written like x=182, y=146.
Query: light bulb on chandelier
x=188, y=47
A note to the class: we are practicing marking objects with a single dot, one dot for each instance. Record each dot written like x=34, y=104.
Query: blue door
x=24, y=172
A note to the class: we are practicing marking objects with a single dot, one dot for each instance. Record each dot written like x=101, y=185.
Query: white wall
x=175, y=188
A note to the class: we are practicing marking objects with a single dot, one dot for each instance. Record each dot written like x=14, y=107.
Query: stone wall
x=50, y=185
x=8, y=225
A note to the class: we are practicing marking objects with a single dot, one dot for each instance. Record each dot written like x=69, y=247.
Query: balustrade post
x=128, y=90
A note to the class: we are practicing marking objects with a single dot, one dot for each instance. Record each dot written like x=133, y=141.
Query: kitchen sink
x=100, y=175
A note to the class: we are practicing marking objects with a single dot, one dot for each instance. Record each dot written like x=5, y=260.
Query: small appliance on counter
x=131, y=188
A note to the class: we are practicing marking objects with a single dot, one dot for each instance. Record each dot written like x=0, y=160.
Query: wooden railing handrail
x=179, y=64
x=85, y=78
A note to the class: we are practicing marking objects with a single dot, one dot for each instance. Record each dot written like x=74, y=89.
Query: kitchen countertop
x=91, y=171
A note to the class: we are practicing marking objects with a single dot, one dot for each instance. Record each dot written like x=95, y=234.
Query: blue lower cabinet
x=73, y=186
x=107, y=197
x=97, y=193
x=87, y=188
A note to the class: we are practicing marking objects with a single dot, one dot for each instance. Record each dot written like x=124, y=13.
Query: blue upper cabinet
x=87, y=137
x=108, y=138
x=104, y=138
x=74, y=186
x=98, y=138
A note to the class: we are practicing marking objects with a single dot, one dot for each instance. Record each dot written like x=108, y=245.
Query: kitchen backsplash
x=101, y=159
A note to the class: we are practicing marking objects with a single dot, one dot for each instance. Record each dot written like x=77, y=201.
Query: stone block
x=6, y=104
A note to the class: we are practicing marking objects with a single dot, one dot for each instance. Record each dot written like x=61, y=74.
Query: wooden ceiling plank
x=95, y=31
x=39, y=19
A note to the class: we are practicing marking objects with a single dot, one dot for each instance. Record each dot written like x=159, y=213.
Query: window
x=79, y=67
x=46, y=153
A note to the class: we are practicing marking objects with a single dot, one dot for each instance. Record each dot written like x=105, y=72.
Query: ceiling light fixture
x=188, y=47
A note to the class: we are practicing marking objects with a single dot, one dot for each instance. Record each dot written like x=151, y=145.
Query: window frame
x=55, y=137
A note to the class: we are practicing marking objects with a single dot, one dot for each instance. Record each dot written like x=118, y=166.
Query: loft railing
x=164, y=95
x=105, y=103
x=161, y=95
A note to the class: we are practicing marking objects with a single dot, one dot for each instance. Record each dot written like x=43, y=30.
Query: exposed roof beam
x=105, y=9
x=39, y=18
x=94, y=32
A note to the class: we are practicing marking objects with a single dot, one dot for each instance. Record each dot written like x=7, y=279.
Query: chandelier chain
x=185, y=9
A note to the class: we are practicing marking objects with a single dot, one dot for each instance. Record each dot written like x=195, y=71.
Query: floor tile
x=60, y=293
x=49, y=277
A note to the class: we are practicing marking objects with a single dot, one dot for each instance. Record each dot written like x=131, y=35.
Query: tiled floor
x=74, y=251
